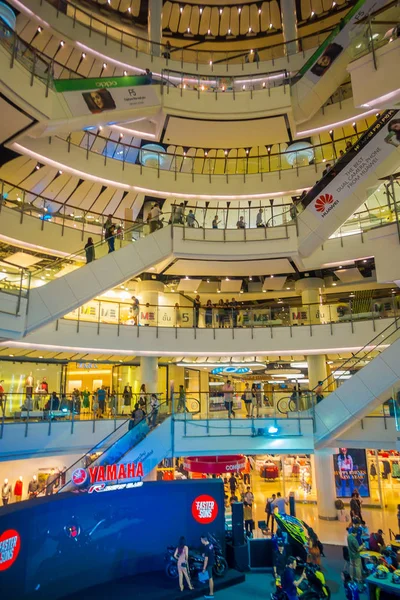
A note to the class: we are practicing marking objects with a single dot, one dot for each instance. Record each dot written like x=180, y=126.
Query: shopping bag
x=203, y=577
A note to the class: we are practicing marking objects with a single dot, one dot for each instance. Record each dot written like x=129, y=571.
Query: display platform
x=154, y=585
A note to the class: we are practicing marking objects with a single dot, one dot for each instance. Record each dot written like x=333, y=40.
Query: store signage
x=106, y=473
x=10, y=545
x=87, y=366
x=214, y=464
x=204, y=509
x=230, y=370
x=104, y=487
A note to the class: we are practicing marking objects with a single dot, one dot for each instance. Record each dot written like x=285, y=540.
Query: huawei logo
x=323, y=201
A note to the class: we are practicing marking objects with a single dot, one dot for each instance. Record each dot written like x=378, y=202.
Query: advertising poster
x=51, y=547
x=355, y=166
x=94, y=96
x=351, y=473
x=340, y=38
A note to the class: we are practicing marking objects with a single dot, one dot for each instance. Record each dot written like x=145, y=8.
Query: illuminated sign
x=10, y=545
x=204, y=509
x=105, y=473
x=231, y=370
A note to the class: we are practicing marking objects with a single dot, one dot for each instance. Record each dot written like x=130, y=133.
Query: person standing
x=196, y=305
x=270, y=512
x=289, y=581
x=241, y=223
x=181, y=555
x=235, y=312
x=182, y=400
x=279, y=560
x=190, y=219
x=110, y=237
x=215, y=222
x=153, y=218
x=232, y=484
x=209, y=561
x=228, y=398
x=209, y=313
x=354, y=556
x=89, y=251
x=318, y=392
x=248, y=496
x=247, y=396
x=135, y=310
x=279, y=504
x=355, y=506
x=248, y=519
x=101, y=397
x=259, y=219
x=154, y=405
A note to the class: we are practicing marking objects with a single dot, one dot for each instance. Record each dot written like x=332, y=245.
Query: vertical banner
x=351, y=473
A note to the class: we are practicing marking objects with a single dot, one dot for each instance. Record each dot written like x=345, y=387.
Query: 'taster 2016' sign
x=10, y=544
x=204, y=509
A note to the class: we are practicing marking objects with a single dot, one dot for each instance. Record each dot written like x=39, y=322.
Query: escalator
x=348, y=183
x=360, y=394
x=326, y=70
x=72, y=286
x=124, y=457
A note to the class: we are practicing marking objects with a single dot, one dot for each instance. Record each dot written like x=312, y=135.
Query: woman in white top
x=247, y=399
x=228, y=398
x=182, y=556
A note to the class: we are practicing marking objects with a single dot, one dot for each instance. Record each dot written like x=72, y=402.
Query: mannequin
x=18, y=487
x=29, y=385
x=33, y=487
x=85, y=400
x=5, y=492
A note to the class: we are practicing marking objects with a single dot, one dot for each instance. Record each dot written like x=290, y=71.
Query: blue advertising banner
x=53, y=547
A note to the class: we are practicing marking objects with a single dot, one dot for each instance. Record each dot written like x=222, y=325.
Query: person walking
x=279, y=560
x=153, y=218
x=241, y=223
x=110, y=237
x=209, y=561
x=232, y=484
x=248, y=519
x=89, y=251
x=190, y=219
x=259, y=219
x=181, y=555
x=247, y=471
x=182, y=400
x=228, y=398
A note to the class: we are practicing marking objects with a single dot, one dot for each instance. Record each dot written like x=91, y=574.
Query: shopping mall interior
x=200, y=298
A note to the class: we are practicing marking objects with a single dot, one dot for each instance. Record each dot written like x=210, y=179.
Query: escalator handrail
x=92, y=450
x=395, y=323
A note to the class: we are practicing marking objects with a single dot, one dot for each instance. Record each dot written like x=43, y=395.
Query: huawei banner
x=93, y=96
x=355, y=166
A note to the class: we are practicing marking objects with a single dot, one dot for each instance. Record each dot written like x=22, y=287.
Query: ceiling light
x=210, y=60
x=229, y=31
x=39, y=30
x=312, y=13
x=239, y=10
x=250, y=279
x=358, y=46
x=270, y=25
x=220, y=11
x=334, y=284
x=62, y=43
x=208, y=281
x=201, y=11
x=187, y=278
x=218, y=291
x=104, y=65
x=129, y=9
x=125, y=73
x=226, y=278
x=272, y=276
x=264, y=291
x=249, y=29
x=181, y=10
x=272, y=429
x=259, y=11
x=288, y=288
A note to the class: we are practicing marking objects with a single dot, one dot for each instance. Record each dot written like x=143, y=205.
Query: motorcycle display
x=196, y=560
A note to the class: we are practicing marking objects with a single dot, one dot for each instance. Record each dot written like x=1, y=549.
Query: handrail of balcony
x=248, y=164
x=144, y=45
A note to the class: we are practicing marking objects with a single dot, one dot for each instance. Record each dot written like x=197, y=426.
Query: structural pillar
x=289, y=26
x=325, y=485
x=149, y=373
x=147, y=294
x=154, y=26
x=316, y=370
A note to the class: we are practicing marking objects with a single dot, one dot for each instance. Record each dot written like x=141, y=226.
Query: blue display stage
x=56, y=546
x=154, y=586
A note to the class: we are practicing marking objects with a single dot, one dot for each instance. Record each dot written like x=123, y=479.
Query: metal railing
x=214, y=161
x=233, y=315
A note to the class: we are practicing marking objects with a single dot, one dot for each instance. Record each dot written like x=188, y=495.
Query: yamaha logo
x=79, y=477
x=323, y=202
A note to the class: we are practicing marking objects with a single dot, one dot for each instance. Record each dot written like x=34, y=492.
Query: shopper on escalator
x=89, y=251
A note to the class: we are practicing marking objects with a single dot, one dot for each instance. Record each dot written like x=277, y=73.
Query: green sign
x=109, y=83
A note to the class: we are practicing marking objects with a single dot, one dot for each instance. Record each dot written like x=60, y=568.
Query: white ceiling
x=230, y=268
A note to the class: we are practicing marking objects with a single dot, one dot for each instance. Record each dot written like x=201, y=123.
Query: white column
x=149, y=373
x=325, y=485
x=289, y=25
x=147, y=293
x=316, y=370
x=154, y=25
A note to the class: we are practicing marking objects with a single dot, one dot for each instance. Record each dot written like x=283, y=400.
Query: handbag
x=203, y=577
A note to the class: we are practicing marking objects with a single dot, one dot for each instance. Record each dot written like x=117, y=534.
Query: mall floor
x=330, y=532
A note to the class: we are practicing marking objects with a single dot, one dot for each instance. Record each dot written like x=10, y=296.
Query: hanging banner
x=349, y=171
x=340, y=38
x=94, y=96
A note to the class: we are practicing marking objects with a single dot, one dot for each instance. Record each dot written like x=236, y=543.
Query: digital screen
x=51, y=547
x=351, y=472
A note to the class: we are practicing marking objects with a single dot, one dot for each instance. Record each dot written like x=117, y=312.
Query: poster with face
x=351, y=474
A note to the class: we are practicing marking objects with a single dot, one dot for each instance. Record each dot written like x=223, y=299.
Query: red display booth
x=215, y=465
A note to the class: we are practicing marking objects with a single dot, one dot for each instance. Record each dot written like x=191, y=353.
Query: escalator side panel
x=338, y=195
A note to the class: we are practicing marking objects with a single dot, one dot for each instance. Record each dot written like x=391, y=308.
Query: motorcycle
x=312, y=588
x=196, y=561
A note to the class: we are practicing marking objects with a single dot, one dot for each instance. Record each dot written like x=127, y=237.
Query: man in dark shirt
x=376, y=541
x=289, y=581
x=327, y=169
x=280, y=560
x=208, y=564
